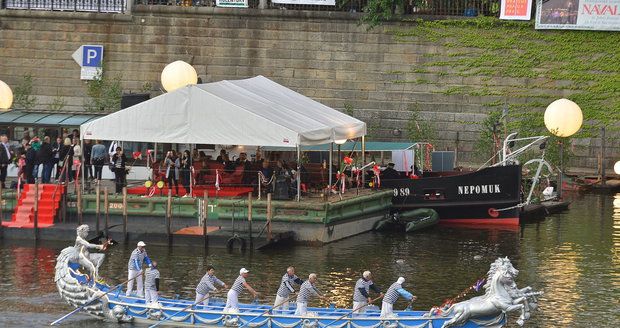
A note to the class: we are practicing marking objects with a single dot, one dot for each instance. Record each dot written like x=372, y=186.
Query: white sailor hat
x=243, y=270
x=141, y=244
x=400, y=280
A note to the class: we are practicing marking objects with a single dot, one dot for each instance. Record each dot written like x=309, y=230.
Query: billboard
x=601, y=15
x=516, y=9
x=306, y=2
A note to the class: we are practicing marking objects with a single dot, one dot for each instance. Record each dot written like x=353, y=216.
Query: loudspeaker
x=131, y=99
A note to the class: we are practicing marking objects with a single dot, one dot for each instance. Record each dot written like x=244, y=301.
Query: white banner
x=306, y=2
x=601, y=15
x=516, y=9
x=232, y=3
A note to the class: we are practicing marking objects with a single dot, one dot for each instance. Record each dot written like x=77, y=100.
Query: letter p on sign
x=92, y=56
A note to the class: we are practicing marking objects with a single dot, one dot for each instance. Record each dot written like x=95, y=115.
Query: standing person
x=395, y=291
x=232, y=300
x=286, y=288
x=136, y=261
x=35, y=144
x=31, y=158
x=306, y=291
x=361, y=296
x=151, y=284
x=5, y=158
x=45, y=156
x=97, y=158
x=56, y=146
x=119, y=160
x=186, y=172
x=77, y=158
x=172, y=163
x=88, y=164
x=207, y=285
x=66, y=154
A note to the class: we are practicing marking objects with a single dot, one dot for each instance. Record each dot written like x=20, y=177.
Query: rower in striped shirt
x=151, y=284
x=286, y=288
x=306, y=291
x=207, y=285
x=395, y=291
x=361, y=296
x=232, y=301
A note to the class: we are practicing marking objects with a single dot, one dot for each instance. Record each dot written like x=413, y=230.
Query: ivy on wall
x=583, y=66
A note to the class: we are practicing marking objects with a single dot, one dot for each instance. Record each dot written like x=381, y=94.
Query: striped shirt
x=137, y=259
x=205, y=286
x=392, y=294
x=149, y=280
x=362, y=287
x=306, y=291
x=286, y=286
x=238, y=284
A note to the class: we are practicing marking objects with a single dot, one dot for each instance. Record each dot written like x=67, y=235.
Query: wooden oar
x=184, y=309
x=355, y=310
x=267, y=311
x=91, y=301
x=408, y=308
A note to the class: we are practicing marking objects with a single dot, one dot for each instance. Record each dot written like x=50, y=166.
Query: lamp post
x=177, y=75
x=6, y=96
x=563, y=118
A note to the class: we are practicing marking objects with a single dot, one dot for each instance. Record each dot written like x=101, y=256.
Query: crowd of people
x=58, y=160
x=308, y=289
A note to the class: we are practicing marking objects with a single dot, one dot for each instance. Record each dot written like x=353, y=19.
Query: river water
x=573, y=257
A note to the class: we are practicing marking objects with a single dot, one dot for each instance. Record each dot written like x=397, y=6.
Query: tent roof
x=31, y=118
x=350, y=146
x=254, y=111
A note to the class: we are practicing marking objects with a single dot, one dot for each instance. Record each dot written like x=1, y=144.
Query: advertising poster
x=516, y=9
x=601, y=15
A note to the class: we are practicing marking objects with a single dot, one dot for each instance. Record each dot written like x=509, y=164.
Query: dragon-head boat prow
x=501, y=296
x=75, y=277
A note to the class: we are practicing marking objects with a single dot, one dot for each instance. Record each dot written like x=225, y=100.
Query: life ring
x=493, y=212
x=230, y=244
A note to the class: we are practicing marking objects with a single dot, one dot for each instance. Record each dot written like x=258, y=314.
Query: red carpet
x=49, y=201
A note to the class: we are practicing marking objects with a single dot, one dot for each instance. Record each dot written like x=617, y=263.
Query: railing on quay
x=410, y=7
x=469, y=8
x=98, y=6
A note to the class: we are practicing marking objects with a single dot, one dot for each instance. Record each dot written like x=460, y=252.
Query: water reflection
x=573, y=257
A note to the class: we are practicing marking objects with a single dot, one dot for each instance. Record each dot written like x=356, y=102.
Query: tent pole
x=154, y=160
x=82, y=164
x=298, y=172
x=331, y=155
x=363, y=159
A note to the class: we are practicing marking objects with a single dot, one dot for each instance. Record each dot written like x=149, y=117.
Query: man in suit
x=5, y=158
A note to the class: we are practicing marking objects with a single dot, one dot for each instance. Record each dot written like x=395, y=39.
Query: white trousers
x=387, y=309
x=282, y=301
x=150, y=296
x=138, y=278
x=232, y=302
x=302, y=308
x=358, y=305
x=204, y=298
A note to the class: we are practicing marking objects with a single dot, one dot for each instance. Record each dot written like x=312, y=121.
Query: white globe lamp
x=563, y=118
x=6, y=96
x=177, y=75
x=340, y=141
x=617, y=167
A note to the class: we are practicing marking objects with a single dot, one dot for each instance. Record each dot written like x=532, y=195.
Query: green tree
x=22, y=96
x=105, y=93
x=419, y=129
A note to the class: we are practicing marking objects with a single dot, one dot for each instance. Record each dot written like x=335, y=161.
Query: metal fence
x=411, y=7
x=101, y=6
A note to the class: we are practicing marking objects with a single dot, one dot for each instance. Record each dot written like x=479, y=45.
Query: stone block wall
x=326, y=56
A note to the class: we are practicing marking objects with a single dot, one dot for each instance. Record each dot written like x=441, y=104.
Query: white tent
x=255, y=111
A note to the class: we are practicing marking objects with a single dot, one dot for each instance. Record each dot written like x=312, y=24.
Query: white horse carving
x=501, y=296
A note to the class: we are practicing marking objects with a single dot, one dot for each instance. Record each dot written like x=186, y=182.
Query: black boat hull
x=487, y=196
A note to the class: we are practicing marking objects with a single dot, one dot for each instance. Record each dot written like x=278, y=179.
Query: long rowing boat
x=77, y=285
